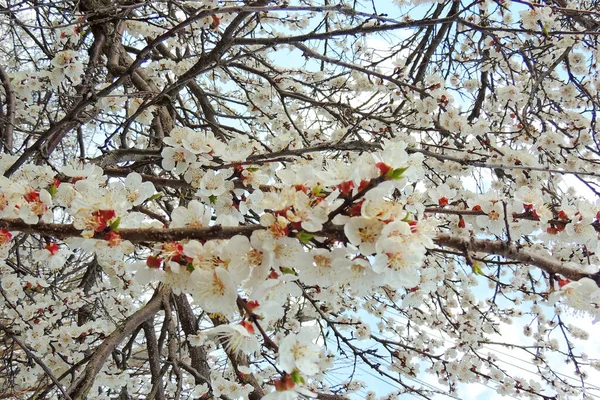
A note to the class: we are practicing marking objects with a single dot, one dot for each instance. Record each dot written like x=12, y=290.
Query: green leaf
x=395, y=174
x=476, y=269
x=190, y=267
x=296, y=377
x=287, y=271
x=115, y=224
x=317, y=191
x=155, y=196
x=212, y=199
x=304, y=237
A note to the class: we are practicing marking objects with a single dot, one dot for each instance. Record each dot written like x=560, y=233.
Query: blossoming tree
x=261, y=199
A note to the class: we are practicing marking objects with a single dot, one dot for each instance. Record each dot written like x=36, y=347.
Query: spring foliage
x=284, y=199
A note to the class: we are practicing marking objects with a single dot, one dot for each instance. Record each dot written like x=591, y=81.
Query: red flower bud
x=215, y=22
x=285, y=383
x=563, y=282
x=5, y=236
x=32, y=196
x=113, y=238
x=153, y=262
x=346, y=187
x=252, y=305
x=248, y=326
x=383, y=168
x=52, y=248
x=363, y=185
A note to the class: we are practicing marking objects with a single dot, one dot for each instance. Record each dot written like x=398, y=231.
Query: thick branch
x=72, y=118
x=141, y=235
x=82, y=385
x=9, y=124
x=516, y=253
x=154, y=358
x=189, y=325
x=206, y=62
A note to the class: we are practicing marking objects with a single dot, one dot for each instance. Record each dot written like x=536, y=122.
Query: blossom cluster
x=267, y=197
x=378, y=241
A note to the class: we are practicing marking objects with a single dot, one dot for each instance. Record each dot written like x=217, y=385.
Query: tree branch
x=135, y=235
x=9, y=124
x=516, y=253
x=81, y=386
x=37, y=360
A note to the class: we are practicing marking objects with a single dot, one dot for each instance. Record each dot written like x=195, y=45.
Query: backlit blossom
x=237, y=338
x=363, y=232
x=213, y=184
x=578, y=294
x=52, y=255
x=195, y=215
x=136, y=191
x=214, y=290
x=177, y=160
x=297, y=351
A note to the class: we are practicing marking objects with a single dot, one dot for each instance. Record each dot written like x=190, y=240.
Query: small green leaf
x=287, y=271
x=296, y=377
x=317, y=191
x=155, y=196
x=213, y=199
x=190, y=267
x=253, y=169
x=115, y=224
x=476, y=269
x=395, y=174
x=304, y=237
